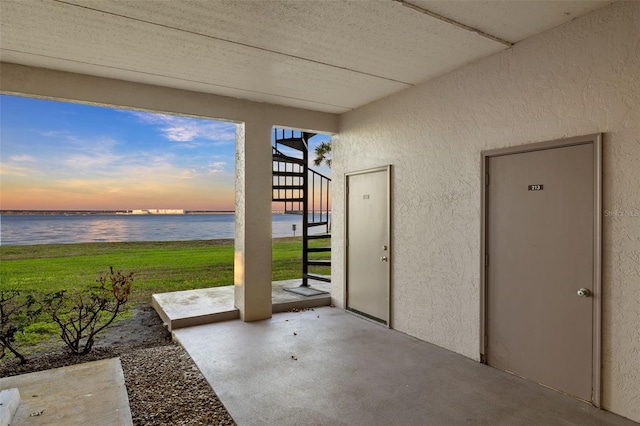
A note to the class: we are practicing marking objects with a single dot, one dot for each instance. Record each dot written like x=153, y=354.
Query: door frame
x=596, y=140
x=388, y=170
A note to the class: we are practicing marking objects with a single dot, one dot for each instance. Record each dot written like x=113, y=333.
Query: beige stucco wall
x=581, y=78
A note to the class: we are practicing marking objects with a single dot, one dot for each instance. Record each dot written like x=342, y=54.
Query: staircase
x=305, y=192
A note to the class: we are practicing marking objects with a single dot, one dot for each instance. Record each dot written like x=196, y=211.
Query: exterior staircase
x=305, y=192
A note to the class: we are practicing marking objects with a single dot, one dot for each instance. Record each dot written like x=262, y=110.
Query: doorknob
x=584, y=292
x=384, y=259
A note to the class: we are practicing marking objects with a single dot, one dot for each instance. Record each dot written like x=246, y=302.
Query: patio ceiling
x=331, y=55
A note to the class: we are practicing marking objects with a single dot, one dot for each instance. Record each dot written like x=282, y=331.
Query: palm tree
x=323, y=154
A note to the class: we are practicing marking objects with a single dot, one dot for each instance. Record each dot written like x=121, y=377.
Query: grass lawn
x=158, y=266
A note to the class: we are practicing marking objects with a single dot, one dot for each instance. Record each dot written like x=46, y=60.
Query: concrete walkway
x=92, y=393
x=329, y=367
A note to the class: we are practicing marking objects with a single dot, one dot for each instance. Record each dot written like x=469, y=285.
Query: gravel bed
x=164, y=385
x=166, y=388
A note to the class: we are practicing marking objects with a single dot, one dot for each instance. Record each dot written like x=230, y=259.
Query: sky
x=64, y=156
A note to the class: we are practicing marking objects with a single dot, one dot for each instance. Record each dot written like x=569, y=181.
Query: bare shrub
x=83, y=314
x=16, y=312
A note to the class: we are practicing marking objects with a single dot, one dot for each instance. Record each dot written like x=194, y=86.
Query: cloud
x=24, y=158
x=216, y=167
x=55, y=133
x=7, y=169
x=186, y=129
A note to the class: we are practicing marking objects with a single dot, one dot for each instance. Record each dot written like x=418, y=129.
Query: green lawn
x=158, y=266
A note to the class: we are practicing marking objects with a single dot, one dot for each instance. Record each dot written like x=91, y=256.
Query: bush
x=16, y=312
x=82, y=314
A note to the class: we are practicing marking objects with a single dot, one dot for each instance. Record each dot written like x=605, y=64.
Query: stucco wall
x=580, y=78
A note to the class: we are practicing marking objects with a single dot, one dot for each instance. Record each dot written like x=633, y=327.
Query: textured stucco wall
x=580, y=78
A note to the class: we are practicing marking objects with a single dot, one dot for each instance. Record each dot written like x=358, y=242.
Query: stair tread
x=296, y=187
x=317, y=277
x=286, y=159
x=293, y=143
x=312, y=224
x=318, y=236
x=287, y=174
x=319, y=262
x=294, y=200
x=318, y=249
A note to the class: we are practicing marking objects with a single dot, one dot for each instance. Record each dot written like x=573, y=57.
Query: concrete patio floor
x=329, y=367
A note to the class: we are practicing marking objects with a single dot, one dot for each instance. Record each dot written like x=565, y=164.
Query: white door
x=368, y=251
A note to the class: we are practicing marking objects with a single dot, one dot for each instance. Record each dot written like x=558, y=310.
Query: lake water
x=60, y=228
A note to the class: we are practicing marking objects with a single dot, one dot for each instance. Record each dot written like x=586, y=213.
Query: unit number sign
x=536, y=187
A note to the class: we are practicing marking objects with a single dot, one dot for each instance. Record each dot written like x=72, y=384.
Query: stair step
x=9, y=403
x=287, y=174
x=295, y=143
x=312, y=224
x=309, y=135
x=318, y=249
x=293, y=200
x=318, y=236
x=286, y=159
x=317, y=277
x=319, y=262
x=296, y=187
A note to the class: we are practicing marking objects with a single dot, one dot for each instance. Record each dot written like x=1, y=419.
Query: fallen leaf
x=36, y=414
x=293, y=357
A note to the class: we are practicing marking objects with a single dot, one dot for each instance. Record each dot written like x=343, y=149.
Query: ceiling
x=323, y=55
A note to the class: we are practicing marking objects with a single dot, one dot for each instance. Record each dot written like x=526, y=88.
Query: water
x=60, y=228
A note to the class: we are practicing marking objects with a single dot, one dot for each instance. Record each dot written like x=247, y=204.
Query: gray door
x=540, y=246
x=368, y=244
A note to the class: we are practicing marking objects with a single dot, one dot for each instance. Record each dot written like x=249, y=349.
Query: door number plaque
x=536, y=187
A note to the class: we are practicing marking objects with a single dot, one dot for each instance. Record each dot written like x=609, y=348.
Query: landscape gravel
x=166, y=388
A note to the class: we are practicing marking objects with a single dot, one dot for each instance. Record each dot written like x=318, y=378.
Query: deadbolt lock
x=584, y=292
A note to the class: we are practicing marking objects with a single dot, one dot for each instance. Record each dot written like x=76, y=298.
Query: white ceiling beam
x=454, y=22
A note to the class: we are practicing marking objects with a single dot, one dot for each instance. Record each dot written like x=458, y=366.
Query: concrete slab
x=181, y=309
x=92, y=393
x=328, y=366
x=189, y=308
x=9, y=403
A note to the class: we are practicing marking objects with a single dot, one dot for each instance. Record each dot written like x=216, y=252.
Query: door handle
x=584, y=292
x=384, y=259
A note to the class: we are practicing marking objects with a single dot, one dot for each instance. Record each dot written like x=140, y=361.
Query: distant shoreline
x=114, y=212
x=99, y=212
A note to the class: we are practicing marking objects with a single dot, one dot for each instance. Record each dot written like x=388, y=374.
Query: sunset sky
x=63, y=156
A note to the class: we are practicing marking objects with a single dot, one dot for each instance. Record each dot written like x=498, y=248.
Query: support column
x=252, y=261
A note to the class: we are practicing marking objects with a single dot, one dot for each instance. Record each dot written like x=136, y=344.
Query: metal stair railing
x=303, y=191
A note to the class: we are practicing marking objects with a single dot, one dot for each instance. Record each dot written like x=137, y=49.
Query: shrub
x=16, y=312
x=83, y=314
